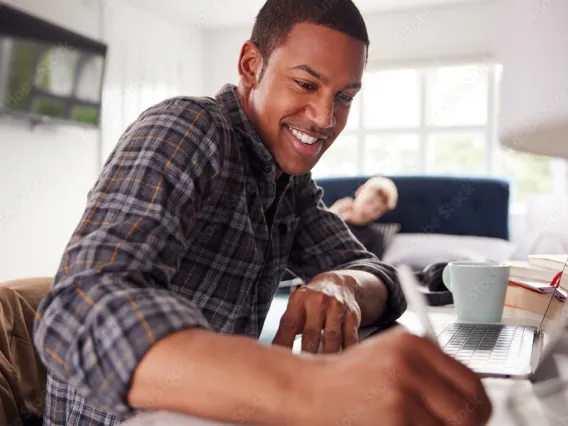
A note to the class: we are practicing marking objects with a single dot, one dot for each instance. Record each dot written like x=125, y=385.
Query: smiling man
x=166, y=283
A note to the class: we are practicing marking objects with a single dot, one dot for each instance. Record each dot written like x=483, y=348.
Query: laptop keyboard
x=487, y=347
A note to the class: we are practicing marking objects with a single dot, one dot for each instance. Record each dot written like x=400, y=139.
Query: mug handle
x=446, y=277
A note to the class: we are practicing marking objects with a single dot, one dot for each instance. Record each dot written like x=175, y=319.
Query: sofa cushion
x=376, y=237
x=22, y=375
x=421, y=250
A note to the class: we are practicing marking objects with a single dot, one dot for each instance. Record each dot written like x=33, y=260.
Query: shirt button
x=268, y=168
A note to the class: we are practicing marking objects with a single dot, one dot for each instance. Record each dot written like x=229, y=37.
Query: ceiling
x=200, y=14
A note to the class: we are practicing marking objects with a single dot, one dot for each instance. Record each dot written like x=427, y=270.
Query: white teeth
x=307, y=139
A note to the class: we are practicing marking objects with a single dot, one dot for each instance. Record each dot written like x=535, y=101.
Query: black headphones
x=431, y=277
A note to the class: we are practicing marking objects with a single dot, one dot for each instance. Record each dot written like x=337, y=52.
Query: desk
x=542, y=412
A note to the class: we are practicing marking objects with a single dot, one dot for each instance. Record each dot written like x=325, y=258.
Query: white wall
x=46, y=173
x=432, y=33
x=149, y=61
x=222, y=48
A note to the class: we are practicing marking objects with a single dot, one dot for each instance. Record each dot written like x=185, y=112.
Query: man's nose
x=322, y=112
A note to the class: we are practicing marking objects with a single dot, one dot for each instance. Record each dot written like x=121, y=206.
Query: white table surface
x=542, y=412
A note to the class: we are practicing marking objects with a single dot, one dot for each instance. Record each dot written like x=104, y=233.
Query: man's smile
x=304, y=143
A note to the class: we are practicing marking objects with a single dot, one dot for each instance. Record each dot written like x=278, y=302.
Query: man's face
x=303, y=100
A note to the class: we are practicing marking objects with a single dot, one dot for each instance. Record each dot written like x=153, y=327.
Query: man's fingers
x=291, y=324
x=311, y=312
x=467, y=383
x=443, y=398
x=315, y=320
x=333, y=331
x=418, y=413
x=350, y=329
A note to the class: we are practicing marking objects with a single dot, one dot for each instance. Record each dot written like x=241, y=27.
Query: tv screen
x=48, y=71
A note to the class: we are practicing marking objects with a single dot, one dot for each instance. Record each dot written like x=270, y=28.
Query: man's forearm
x=223, y=378
x=370, y=292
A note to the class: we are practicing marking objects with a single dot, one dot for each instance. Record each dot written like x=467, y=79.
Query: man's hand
x=343, y=208
x=395, y=379
x=328, y=304
x=372, y=199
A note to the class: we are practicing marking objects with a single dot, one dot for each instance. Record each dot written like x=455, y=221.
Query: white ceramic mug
x=478, y=289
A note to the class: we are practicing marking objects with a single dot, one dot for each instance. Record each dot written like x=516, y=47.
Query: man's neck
x=242, y=96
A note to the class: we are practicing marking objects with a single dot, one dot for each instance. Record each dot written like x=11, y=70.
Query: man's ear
x=250, y=65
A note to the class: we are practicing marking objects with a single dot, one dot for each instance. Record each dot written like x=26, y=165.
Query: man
x=374, y=198
x=199, y=209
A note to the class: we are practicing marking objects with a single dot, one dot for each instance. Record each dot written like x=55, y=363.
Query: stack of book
x=539, y=285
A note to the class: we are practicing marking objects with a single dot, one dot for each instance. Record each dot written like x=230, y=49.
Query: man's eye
x=306, y=86
x=345, y=98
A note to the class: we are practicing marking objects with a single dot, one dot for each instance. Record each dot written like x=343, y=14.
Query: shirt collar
x=261, y=157
x=229, y=101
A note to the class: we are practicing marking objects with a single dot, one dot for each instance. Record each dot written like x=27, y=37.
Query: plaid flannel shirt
x=186, y=227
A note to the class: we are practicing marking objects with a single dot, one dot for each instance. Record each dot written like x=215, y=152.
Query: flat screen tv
x=48, y=72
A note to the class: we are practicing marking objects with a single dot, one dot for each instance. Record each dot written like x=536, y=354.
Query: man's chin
x=295, y=168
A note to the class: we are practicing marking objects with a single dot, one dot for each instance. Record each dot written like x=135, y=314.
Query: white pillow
x=421, y=250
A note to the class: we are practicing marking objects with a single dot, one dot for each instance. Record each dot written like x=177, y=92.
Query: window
x=340, y=159
x=392, y=154
x=457, y=96
x=90, y=79
x=435, y=120
x=530, y=174
x=392, y=99
x=457, y=153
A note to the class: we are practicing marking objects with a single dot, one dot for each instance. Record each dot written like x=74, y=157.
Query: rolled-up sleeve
x=323, y=242
x=109, y=303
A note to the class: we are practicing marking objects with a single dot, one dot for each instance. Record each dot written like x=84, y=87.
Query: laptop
x=493, y=350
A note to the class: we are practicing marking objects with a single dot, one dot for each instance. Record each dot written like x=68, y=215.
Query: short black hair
x=277, y=18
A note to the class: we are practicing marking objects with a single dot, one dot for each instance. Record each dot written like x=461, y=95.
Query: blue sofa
x=439, y=204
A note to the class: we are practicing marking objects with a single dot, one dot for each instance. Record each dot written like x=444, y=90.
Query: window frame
x=493, y=165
